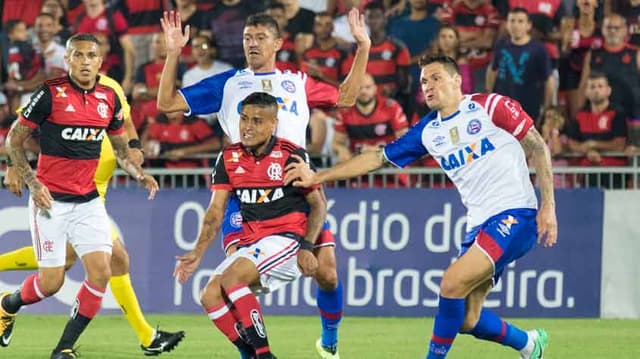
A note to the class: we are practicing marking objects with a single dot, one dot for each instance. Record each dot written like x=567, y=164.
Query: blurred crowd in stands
x=574, y=65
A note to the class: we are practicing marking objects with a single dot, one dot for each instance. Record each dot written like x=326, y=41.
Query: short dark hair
x=323, y=14
x=520, y=10
x=594, y=75
x=374, y=5
x=82, y=37
x=449, y=63
x=275, y=6
x=208, y=40
x=261, y=99
x=46, y=14
x=264, y=20
x=10, y=25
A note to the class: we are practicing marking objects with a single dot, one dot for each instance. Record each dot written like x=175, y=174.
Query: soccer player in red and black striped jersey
x=388, y=58
x=279, y=235
x=73, y=113
x=325, y=60
x=374, y=120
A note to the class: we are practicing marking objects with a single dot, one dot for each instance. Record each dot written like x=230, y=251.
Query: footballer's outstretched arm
x=300, y=174
x=188, y=263
x=350, y=87
x=169, y=100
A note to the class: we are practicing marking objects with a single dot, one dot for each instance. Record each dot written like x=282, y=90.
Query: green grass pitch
x=110, y=337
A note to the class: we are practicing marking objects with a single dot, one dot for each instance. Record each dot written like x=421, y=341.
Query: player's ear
x=278, y=44
x=458, y=80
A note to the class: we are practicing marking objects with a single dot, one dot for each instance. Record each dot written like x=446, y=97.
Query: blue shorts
x=232, y=226
x=504, y=237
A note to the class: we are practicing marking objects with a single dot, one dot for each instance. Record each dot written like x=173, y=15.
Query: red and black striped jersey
x=384, y=60
x=334, y=63
x=286, y=56
x=72, y=122
x=174, y=135
x=603, y=126
x=267, y=206
x=473, y=21
x=377, y=128
x=143, y=15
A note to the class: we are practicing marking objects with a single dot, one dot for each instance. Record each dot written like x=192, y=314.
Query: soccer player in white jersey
x=482, y=142
x=295, y=93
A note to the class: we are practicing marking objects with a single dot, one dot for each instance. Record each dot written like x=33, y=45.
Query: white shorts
x=275, y=257
x=85, y=226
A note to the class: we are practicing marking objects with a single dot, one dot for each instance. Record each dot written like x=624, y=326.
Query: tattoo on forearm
x=536, y=149
x=18, y=134
x=121, y=149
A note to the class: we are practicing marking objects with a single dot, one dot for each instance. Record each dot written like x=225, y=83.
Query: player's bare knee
x=211, y=296
x=51, y=280
x=119, y=260
x=327, y=278
x=229, y=280
x=450, y=287
x=99, y=271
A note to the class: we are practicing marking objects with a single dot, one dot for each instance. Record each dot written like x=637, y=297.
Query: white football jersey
x=478, y=147
x=295, y=93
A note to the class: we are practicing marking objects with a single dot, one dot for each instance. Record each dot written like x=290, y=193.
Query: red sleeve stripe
x=116, y=132
x=493, y=102
x=24, y=121
x=221, y=186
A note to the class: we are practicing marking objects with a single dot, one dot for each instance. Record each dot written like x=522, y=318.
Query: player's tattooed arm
x=538, y=153
x=120, y=145
x=18, y=134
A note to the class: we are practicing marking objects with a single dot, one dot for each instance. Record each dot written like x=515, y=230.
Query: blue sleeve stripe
x=206, y=96
x=188, y=111
x=384, y=152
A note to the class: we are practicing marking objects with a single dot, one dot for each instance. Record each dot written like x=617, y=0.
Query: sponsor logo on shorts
x=236, y=219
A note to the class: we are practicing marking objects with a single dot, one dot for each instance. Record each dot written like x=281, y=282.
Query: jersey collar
x=80, y=89
x=263, y=73
x=267, y=150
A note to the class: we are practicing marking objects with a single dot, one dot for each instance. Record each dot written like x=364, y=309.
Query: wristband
x=305, y=245
x=9, y=162
x=135, y=143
